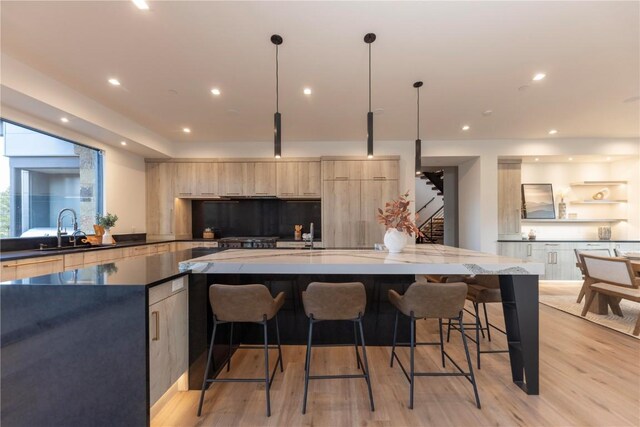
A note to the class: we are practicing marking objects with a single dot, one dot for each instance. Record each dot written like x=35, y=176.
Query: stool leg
x=355, y=341
x=478, y=327
x=486, y=321
x=278, y=339
x=466, y=352
x=395, y=333
x=475, y=307
x=266, y=367
x=441, y=341
x=366, y=364
x=230, y=345
x=307, y=368
x=412, y=372
x=206, y=371
x=449, y=330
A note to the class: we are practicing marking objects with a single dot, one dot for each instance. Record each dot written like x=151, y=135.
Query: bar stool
x=483, y=289
x=335, y=301
x=247, y=304
x=431, y=301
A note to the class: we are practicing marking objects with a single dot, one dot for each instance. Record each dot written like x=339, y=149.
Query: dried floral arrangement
x=396, y=215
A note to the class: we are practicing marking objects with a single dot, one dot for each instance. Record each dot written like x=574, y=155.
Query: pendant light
x=418, y=85
x=368, y=39
x=277, y=124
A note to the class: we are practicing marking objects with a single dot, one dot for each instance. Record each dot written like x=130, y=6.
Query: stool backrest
x=334, y=301
x=436, y=300
x=616, y=271
x=240, y=303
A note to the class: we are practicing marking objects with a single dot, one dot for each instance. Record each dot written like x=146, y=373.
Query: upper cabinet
x=207, y=179
x=264, y=179
x=185, y=180
x=360, y=169
x=298, y=179
x=232, y=179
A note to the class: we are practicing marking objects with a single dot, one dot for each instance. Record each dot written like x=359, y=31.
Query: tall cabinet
x=509, y=198
x=352, y=192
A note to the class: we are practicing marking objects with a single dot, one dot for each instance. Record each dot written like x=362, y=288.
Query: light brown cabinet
x=185, y=180
x=509, y=200
x=232, y=179
x=261, y=178
x=160, y=199
x=207, y=179
x=168, y=336
x=31, y=267
x=298, y=179
x=350, y=202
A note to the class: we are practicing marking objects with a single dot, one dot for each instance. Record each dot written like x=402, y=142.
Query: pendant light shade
x=368, y=39
x=277, y=121
x=418, y=159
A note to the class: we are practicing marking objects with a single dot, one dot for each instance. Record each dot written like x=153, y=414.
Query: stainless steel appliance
x=247, y=242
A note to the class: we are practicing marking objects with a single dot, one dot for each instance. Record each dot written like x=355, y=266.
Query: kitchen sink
x=64, y=248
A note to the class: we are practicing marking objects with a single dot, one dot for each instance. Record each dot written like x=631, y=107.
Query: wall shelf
x=597, y=202
x=573, y=221
x=583, y=183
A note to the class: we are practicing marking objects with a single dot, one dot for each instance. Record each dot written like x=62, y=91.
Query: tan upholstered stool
x=336, y=301
x=431, y=301
x=483, y=289
x=250, y=304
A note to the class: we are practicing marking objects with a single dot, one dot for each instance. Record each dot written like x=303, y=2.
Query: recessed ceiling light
x=123, y=142
x=307, y=91
x=141, y=4
x=215, y=91
x=570, y=158
x=487, y=113
x=537, y=159
x=277, y=156
x=465, y=127
x=553, y=131
x=539, y=77
x=64, y=120
x=114, y=82
x=608, y=158
x=370, y=156
x=186, y=130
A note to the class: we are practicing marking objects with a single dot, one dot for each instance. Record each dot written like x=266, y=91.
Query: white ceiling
x=472, y=56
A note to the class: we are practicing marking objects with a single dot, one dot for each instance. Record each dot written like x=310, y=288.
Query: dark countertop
x=142, y=271
x=35, y=253
x=569, y=241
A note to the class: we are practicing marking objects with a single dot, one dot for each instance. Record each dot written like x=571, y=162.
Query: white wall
x=124, y=174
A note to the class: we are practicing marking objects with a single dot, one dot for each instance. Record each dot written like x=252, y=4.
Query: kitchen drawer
x=137, y=251
x=165, y=290
x=73, y=261
x=32, y=267
x=102, y=256
x=8, y=271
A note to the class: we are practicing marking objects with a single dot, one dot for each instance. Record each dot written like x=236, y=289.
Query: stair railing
x=425, y=205
x=429, y=223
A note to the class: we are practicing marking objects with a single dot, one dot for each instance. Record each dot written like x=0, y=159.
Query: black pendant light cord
x=369, y=77
x=418, y=121
x=277, y=84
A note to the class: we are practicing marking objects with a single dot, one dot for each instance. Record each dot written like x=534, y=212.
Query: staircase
x=433, y=227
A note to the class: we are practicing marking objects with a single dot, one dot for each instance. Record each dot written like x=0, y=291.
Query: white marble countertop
x=418, y=259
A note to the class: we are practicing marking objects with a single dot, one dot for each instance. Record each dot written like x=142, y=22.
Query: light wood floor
x=589, y=376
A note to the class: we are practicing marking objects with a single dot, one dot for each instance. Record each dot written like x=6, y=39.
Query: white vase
x=395, y=240
x=106, y=237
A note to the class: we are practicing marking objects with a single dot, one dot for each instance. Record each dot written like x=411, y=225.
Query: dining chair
x=611, y=277
x=585, y=284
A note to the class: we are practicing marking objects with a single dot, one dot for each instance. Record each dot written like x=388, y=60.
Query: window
x=40, y=175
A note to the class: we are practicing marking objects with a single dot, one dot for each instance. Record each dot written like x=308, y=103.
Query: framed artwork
x=537, y=201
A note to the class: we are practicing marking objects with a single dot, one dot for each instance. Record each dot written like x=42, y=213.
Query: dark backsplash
x=261, y=217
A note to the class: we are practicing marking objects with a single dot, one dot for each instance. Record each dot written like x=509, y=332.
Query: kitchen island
x=292, y=270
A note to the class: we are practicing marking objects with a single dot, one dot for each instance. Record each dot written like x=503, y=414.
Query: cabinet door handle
x=529, y=249
x=208, y=194
x=309, y=194
x=261, y=193
x=186, y=194
x=380, y=178
x=233, y=194
x=341, y=178
x=22, y=264
x=156, y=325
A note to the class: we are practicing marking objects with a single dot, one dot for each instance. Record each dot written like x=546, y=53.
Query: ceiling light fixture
x=553, y=131
x=418, y=85
x=277, y=118
x=368, y=39
x=465, y=127
x=123, y=142
x=215, y=91
x=114, y=82
x=186, y=130
x=307, y=91
x=141, y=4
x=538, y=77
x=537, y=159
x=64, y=120
x=570, y=159
x=608, y=158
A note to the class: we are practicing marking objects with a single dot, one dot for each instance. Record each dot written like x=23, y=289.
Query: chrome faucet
x=74, y=237
x=61, y=215
x=311, y=236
